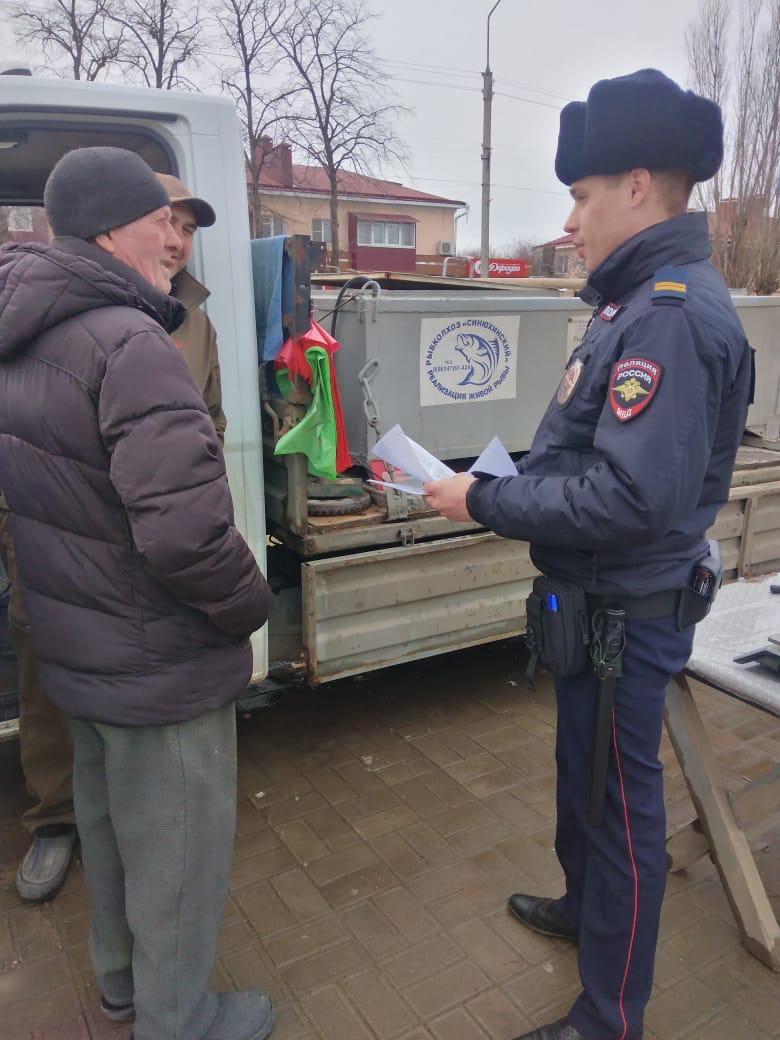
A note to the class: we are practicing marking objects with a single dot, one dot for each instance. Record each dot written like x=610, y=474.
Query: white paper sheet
x=409, y=489
x=417, y=463
x=495, y=460
x=409, y=456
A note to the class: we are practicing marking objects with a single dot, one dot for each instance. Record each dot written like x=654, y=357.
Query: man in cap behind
x=140, y=591
x=627, y=471
x=196, y=337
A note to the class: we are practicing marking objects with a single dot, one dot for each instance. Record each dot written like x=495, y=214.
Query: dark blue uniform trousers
x=616, y=873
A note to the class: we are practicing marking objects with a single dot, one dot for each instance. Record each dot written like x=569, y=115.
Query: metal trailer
x=369, y=590
x=394, y=583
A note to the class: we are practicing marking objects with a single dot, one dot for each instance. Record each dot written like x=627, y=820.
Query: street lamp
x=487, y=96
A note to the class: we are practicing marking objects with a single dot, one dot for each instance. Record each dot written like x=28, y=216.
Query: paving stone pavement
x=382, y=823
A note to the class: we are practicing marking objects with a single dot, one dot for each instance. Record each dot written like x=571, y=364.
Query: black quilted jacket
x=141, y=592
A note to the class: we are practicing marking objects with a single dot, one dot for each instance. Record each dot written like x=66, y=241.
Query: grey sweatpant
x=156, y=808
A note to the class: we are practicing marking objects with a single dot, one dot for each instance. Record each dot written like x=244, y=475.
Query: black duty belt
x=654, y=605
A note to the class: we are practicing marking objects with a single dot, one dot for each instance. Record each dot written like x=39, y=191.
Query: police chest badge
x=632, y=386
x=568, y=384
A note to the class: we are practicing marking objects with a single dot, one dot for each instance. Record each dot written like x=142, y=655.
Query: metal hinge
x=406, y=534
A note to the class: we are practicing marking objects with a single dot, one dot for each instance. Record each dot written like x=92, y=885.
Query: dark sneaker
x=117, y=1012
x=43, y=869
x=542, y=915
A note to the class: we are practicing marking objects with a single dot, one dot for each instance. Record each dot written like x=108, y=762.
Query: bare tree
x=520, y=249
x=161, y=38
x=744, y=198
x=344, y=121
x=251, y=76
x=74, y=35
x=706, y=45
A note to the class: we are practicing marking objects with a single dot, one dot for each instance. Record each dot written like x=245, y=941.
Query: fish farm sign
x=463, y=360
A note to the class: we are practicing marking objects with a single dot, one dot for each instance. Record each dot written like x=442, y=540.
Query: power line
x=507, y=187
x=530, y=101
x=433, y=83
x=443, y=69
x=475, y=90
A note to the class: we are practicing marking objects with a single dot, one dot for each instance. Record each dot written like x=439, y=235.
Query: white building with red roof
x=558, y=257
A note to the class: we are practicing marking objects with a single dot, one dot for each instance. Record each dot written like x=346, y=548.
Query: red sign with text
x=498, y=268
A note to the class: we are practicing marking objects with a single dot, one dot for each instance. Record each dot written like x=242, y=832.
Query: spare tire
x=338, y=506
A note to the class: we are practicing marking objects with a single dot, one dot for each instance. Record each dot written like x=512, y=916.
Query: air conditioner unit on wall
x=445, y=248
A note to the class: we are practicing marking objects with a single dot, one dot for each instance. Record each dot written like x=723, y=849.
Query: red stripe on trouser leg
x=633, y=871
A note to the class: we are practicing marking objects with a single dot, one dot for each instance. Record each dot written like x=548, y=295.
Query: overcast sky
x=550, y=52
x=556, y=47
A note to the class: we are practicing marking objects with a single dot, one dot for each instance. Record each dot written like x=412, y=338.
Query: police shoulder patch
x=568, y=384
x=632, y=386
x=670, y=285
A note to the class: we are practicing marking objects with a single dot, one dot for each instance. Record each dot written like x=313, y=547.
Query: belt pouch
x=557, y=626
x=698, y=595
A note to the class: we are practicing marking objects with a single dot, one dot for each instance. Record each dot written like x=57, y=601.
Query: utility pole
x=487, y=98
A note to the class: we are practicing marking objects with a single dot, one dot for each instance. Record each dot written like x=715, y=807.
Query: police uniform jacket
x=634, y=455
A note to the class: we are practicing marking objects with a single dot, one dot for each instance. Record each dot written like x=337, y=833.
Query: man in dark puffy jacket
x=141, y=592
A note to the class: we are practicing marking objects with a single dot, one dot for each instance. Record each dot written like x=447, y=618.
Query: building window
x=320, y=230
x=271, y=225
x=386, y=233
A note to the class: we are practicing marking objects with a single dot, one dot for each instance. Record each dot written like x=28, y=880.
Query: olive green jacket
x=196, y=338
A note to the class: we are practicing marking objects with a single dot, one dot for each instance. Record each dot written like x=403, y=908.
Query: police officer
x=627, y=471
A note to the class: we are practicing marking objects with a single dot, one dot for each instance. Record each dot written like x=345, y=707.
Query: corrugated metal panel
x=369, y=610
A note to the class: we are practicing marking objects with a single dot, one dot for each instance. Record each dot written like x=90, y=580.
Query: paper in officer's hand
x=412, y=488
x=410, y=457
x=495, y=461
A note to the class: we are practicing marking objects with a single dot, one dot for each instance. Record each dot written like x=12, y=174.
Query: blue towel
x=272, y=279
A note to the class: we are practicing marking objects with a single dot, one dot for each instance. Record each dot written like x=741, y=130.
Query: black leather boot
x=555, y=1031
x=542, y=915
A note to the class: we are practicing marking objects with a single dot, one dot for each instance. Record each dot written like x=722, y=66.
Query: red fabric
x=292, y=356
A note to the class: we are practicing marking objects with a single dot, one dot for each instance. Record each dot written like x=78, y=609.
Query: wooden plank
x=372, y=515
x=730, y=850
x=753, y=490
x=746, y=541
x=686, y=846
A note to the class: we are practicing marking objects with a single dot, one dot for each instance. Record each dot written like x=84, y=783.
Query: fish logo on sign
x=469, y=358
x=481, y=355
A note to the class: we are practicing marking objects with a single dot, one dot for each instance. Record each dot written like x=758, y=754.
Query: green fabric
x=315, y=435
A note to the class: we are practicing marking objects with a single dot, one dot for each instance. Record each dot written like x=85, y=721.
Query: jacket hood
x=42, y=285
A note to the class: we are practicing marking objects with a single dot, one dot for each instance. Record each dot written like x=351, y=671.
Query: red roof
x=564, y=240
x=315, y=179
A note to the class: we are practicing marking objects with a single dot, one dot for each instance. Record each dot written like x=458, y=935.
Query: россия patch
x=632, y=386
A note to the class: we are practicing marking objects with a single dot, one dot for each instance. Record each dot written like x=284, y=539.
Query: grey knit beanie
x=92, y=190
